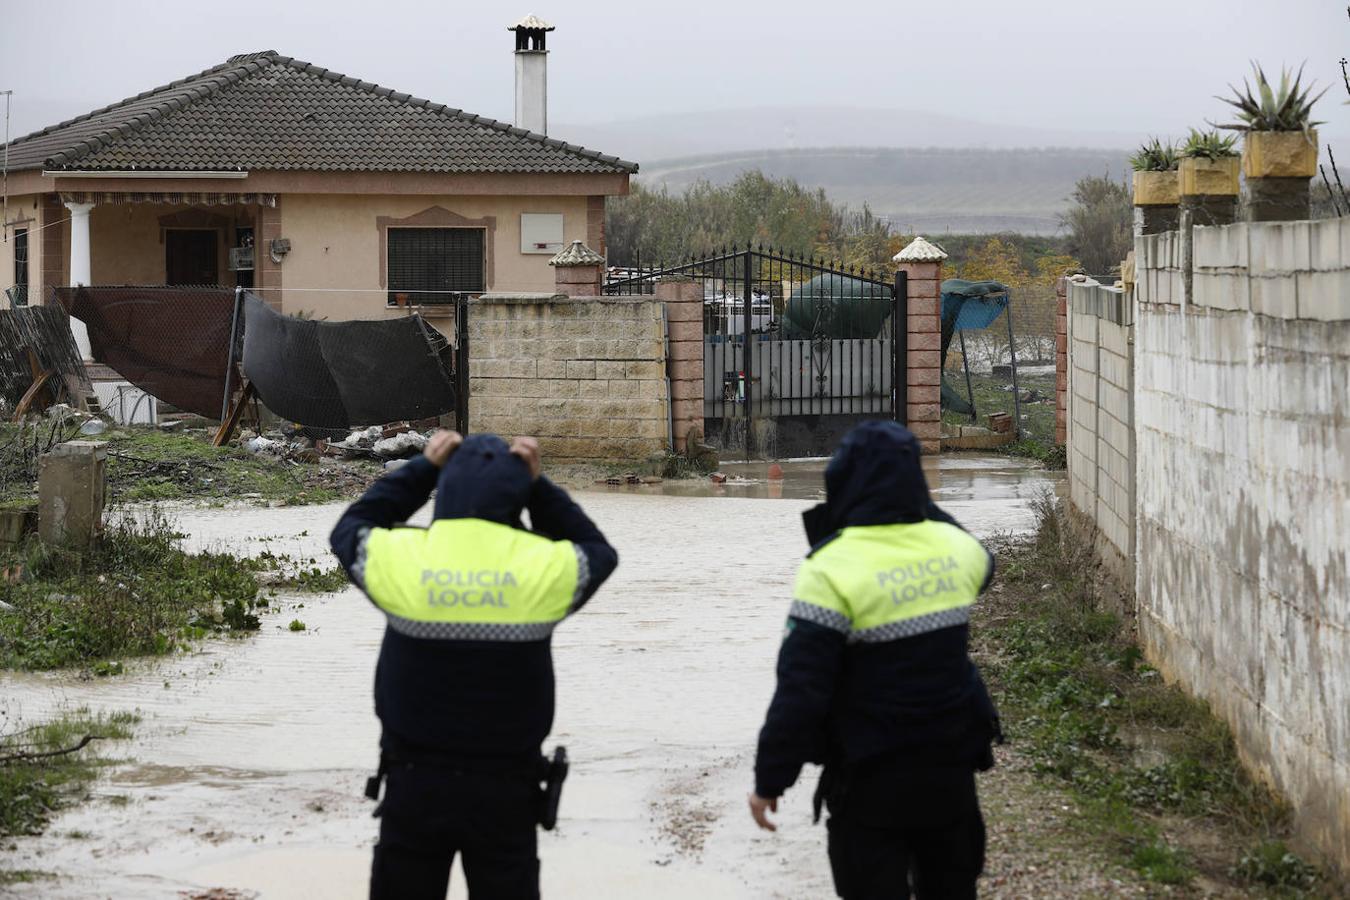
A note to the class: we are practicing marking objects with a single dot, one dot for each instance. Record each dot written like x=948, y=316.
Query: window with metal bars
x=427, y=263
x=19, y=293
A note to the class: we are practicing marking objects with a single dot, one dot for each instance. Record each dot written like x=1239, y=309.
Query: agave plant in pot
x=1156, y=186
x=1209, y=177
x=1279, y=152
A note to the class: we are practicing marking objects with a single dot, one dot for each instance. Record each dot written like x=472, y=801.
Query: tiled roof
x=266, y=111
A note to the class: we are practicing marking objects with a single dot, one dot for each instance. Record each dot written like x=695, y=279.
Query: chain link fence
x=981, y=369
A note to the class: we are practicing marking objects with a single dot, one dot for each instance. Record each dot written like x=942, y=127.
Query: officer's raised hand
x=441, y=445
x=760, y=807
x=527, y=448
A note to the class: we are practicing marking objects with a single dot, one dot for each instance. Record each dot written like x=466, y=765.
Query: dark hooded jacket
x=456, y=700
x=913, y=701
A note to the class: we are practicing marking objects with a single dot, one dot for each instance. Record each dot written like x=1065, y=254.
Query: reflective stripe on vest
x=468, y=579
x=886, y=582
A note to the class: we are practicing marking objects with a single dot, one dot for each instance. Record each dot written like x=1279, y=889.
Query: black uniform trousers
x=430, y=813
x=900, y=832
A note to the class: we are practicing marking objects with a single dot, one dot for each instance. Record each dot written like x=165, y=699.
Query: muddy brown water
x=247, y=770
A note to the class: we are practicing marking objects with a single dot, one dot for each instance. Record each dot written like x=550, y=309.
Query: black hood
x=874, y=478
x=483, y=480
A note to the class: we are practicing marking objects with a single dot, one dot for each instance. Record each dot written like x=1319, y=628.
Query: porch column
x=80, y=267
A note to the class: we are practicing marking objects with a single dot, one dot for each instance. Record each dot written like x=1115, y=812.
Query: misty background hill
x=926, y=191
x=923, y=172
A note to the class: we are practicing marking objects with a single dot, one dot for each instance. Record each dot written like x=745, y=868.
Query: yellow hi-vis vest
x=472, y=580
x=879, y=583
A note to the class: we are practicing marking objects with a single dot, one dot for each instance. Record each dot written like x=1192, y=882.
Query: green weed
x=33, y=787
x=136, y=592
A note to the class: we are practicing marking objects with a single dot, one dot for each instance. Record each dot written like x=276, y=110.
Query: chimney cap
x=531, y=23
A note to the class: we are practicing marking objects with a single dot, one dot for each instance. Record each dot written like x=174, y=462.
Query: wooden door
x=191, y=257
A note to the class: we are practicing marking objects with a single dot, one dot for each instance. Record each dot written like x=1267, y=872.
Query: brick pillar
x=923, y=263
x=55, y=267
x=684, y=315
x=1062, y=360
x=268, y=281
x=578, y=271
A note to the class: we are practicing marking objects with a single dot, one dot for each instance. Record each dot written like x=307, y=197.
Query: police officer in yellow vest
x=464, y=683
x=875, y=682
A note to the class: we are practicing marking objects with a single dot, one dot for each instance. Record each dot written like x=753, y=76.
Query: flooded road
x=247, y=770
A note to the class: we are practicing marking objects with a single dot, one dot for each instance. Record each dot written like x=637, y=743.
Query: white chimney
x=531, y=74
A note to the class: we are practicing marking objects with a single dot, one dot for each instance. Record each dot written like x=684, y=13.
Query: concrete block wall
x=1100, y=419
x=1062, y=361
x=585, y=375
x=1242, y=409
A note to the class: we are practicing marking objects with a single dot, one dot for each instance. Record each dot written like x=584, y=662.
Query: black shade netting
x=171, y=342
x=343, y=374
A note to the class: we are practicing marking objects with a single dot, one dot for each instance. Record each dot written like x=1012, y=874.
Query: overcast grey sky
x=1137, y=67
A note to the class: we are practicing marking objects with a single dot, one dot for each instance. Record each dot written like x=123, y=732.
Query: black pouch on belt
x=373, y=782
x=554, y=773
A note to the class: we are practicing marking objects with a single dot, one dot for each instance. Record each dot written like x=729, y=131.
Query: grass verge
x=148, y=464
x=1156, y=775
x=135, y=593
x=50, y=766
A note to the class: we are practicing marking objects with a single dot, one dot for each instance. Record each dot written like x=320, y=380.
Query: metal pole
x=900, y=350
x=462, y=365
x=229, y=364
x=1012, y=354
x=965, y=364
x=4, y=210
x=748, y=363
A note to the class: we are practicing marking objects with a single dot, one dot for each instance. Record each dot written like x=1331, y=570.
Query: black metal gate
x=795, y=351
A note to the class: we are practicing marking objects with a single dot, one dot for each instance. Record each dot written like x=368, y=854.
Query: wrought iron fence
x=796, y=349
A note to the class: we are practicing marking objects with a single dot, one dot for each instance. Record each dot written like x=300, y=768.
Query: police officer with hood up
x=875, y=682
x=464, y=685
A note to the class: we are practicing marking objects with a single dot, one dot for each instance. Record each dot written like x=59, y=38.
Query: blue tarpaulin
x=971, y=305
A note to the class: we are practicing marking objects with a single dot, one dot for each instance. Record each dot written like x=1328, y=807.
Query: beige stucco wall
x=24, y=212
x=126, y=246
x=335, y=246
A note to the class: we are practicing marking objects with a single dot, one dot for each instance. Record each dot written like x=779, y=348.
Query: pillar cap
x=577, y=254
x=920, y=250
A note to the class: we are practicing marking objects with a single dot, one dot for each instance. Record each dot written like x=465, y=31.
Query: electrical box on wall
x=541, y=233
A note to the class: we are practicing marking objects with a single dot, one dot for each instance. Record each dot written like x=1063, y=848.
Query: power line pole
x=4, y=205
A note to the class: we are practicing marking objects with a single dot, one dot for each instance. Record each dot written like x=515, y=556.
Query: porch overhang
x=175, y=198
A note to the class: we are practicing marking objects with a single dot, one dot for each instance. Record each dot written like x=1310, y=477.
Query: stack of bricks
x=922, y=262
x=683, y=298
x=1061, y=361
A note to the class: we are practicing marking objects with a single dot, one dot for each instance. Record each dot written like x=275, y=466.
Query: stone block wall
x=1243, y=412
x=1100, y=426
x=586, y=376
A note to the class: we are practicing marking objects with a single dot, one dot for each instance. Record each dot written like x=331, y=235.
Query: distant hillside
x=929, y=190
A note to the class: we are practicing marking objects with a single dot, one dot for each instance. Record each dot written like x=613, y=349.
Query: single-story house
x=326, y=195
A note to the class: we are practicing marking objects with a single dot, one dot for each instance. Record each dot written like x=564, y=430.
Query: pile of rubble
x=390, y=444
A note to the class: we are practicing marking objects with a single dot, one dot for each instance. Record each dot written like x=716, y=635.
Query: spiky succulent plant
x=1209, y=145
x=1154, y=156
x=1268, y=109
